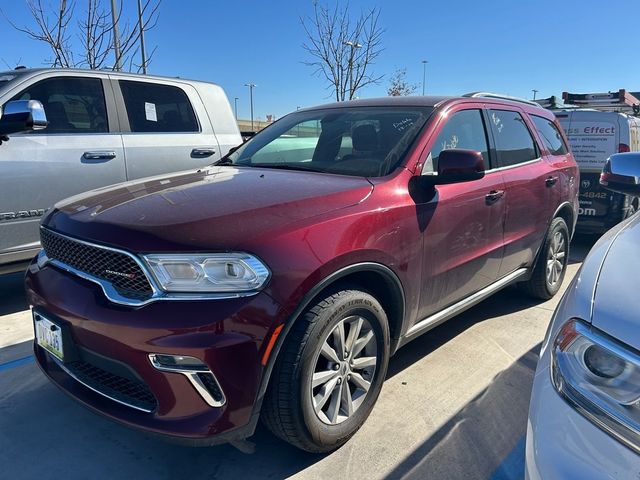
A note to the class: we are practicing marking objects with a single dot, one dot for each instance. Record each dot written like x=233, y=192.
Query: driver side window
x=72, y=104
x=464, y=130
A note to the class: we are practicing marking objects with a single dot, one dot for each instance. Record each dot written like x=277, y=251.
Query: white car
x=584, y=417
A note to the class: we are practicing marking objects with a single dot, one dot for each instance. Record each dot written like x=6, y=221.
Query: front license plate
x=49, y=336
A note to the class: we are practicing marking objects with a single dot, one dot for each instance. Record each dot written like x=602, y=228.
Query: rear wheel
x=551, y=265
x=329, y=373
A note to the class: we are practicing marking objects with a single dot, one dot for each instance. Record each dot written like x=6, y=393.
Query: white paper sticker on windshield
x=150, y=112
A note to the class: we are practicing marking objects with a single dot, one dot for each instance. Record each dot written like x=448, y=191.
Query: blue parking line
x=16, y=363
x=512, y=467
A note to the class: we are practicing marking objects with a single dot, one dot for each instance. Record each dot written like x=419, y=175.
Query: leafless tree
x=92, y=28
x=398, y=85
x=343, y=50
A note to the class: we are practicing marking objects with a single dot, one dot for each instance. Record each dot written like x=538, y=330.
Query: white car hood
x=616, y=305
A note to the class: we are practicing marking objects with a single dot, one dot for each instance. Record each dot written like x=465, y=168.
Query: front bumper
x=561, y=443
x=226, y=335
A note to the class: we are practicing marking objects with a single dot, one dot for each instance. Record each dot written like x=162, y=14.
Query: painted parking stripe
x=512, y=468
x=16, y=363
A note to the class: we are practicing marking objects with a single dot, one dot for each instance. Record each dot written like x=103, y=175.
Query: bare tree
x=343, y=50
x=398, y=85
x=93, y=31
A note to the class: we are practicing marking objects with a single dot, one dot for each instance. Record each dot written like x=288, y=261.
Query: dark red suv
x=278, y=282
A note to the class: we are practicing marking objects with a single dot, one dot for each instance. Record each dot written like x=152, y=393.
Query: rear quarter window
x=550, y=135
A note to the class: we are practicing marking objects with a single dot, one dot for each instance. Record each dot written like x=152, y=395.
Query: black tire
x=288, y=409
x=540, y=285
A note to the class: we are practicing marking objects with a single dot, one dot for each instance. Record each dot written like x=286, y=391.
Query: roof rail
x=499, y=95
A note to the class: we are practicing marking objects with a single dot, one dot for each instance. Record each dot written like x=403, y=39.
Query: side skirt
x=443, y=315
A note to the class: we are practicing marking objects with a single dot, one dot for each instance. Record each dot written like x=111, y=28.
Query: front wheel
x=551, y=265
x=329, y=373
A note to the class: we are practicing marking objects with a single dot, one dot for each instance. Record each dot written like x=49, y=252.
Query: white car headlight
x=208, y=273
x=600, y=377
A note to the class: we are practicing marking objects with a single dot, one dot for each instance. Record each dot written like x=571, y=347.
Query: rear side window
x=152, y=107
x=550, y=135
x=464, y=130
x=514, y=143
x=72, y=105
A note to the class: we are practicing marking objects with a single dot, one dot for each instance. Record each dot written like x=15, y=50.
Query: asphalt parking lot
x=454, y=406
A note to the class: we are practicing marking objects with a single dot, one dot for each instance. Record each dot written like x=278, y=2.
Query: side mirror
x=457, y=165
x=22, y=116
x=621, y=173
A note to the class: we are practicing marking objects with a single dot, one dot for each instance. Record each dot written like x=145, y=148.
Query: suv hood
x=615, y=307
x=211, y=209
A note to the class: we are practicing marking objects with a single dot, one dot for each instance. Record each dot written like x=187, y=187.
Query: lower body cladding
x=187, y=370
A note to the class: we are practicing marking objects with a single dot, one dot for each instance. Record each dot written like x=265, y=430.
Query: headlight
x=208, y=273
x=600, y=377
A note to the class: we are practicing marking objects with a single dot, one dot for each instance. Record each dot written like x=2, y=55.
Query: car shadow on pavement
x=580, y=246
x=69, y=441
x=480, y=436
x=12, y=296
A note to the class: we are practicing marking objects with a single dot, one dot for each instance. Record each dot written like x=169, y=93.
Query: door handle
x=202, y=152
x=99, y=155
x=493, y=196
x=551, y=181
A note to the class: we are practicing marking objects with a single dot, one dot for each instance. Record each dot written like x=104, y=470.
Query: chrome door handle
x=99, y=155
x=202, y=152
x=493, y=196
x=551, y=181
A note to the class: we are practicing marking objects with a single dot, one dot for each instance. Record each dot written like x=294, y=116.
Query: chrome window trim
x=509, y=167
x=112, y=294
x=93, y=389
x=192, y=376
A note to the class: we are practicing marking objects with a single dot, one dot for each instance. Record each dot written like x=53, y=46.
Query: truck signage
x=592, y=143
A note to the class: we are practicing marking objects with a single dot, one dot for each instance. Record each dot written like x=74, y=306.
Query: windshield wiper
x=286, y=166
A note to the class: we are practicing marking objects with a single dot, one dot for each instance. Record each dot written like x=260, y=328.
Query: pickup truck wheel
x=329, y=373
x=551, y=265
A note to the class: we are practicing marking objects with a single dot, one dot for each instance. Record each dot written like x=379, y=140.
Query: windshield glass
x=358, y=141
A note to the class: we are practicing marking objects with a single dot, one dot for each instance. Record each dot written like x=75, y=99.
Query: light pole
x=235, y=104
x=143, y=53
x=424, y=75
x=251, y=87
x=353, y=46
x=116, y=36
x=534, y=93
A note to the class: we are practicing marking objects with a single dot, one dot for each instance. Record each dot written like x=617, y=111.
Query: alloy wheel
x=343, y=370
x=556, y=258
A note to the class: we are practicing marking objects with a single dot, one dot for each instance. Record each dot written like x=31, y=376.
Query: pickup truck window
x=357, y=141
x=152, y=107
x=72, y=104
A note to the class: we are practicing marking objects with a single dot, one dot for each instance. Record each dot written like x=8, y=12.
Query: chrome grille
x=119, y=269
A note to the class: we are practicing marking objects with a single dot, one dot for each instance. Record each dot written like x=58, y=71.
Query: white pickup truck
x=103, y=128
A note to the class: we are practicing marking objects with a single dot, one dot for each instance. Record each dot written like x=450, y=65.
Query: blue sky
x=499, y=45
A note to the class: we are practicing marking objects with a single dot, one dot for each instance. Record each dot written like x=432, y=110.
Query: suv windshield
x=358, y=141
